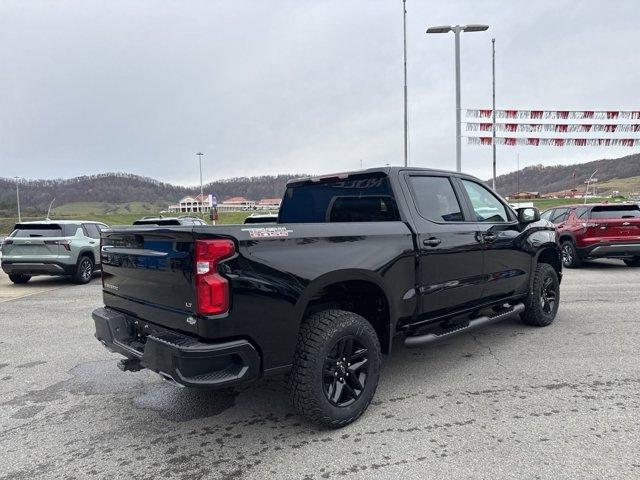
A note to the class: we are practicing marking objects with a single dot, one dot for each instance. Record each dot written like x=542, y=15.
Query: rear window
x=362, y=198
x=615, y=211
x=37, y=230
x=167, y=222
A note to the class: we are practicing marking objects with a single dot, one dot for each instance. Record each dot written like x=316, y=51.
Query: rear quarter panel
x=279, y=268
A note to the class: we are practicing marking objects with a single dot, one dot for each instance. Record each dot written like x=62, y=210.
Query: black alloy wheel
x=548, y=296
x=346, y=370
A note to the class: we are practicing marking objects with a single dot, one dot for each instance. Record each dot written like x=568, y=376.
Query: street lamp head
x=475, y=28
x=441, y=29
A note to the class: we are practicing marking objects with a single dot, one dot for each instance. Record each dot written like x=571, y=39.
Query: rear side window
x=37, y=230
x=363, y=198
x=435, y=199
x=616, y=211
x=92, y=230
x=582, y=212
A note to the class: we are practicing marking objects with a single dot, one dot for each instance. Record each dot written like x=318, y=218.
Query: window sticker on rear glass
x=267, y=232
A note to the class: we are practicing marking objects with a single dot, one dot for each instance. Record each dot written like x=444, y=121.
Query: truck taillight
x=212, y=289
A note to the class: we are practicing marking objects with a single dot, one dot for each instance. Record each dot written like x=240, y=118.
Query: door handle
x=489, y=237
x=431, y=242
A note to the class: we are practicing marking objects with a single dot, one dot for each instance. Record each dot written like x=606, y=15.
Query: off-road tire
x=84, y=270
x=535, y=312
x=319, y=334
x=19, y=279
x=632, y=262
x=570, y=256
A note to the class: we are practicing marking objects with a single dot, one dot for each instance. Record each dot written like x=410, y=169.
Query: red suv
x=597, y=231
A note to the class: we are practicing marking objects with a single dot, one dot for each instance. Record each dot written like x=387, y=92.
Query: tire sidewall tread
x=317, y=335
x=533, y=314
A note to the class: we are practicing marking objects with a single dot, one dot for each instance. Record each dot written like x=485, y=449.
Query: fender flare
x=337, y=276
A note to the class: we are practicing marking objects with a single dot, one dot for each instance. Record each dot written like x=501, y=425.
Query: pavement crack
x=488, y=348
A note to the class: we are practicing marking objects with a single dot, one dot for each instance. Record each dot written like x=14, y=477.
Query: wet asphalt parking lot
x=507, y=401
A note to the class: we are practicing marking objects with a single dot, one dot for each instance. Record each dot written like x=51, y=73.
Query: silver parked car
x=50, y=247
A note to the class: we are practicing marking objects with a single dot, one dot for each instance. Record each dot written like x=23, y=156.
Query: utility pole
x=18, y=198
x=406, y=131
x=200, y=154
x=518, y=177
x=493, y=110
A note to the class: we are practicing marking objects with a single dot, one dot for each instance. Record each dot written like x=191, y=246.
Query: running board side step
x=417, y=340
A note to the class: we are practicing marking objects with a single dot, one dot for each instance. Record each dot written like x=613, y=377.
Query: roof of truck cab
x=385, y=170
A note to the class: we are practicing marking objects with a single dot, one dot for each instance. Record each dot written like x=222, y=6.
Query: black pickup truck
x=353, y=261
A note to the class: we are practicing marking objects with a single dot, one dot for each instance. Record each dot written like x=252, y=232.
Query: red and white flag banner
x=556, y=142
x=557, y=114
x=554, y=127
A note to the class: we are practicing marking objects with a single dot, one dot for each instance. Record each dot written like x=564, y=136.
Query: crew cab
x=354, y=260
x=601, y=230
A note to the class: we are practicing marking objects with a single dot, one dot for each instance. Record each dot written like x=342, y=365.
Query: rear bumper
x=181, y=358
x=11, y=267
x=611, y=250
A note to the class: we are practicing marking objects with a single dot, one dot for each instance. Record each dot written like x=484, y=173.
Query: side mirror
x=528, y=215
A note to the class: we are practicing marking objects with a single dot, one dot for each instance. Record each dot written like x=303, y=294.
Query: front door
x=506, y=262
x=450, y=254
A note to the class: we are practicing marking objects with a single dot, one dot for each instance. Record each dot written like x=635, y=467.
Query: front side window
x=547, y=215
x=486, y=206
x=435, y=199
x=560, y=215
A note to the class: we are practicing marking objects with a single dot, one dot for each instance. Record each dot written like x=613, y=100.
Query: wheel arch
x=359, y=291
x=551, y=255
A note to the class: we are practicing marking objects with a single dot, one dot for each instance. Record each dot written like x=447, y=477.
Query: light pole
x=404, y=31
x=586, y=192
x=200, y=154
x=456, y=31
x=18, y=199
x=493, y=107
x=49, y=210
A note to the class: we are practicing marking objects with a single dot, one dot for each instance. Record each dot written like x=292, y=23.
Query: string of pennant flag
x=556, y=142
x=551, y=127
x=557, y=114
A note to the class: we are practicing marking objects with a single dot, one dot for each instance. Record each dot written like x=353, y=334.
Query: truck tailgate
x=150, y=269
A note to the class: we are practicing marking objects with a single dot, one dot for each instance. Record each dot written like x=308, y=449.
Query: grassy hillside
x=103, y=208
x=617, y=174
x=7, y=223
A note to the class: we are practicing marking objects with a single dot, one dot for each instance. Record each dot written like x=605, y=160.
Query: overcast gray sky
x=292, y=86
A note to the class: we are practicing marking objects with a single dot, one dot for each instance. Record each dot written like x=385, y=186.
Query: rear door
x=92, y=232
x=506, y=263
x=450, y=256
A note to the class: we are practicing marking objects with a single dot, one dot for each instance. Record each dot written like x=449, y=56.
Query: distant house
x=269, y=204
x=191, y=204
x=523, y=195
x=236, y=204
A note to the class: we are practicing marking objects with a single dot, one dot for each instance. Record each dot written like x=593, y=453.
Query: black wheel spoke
x=354, y=382
x=345, y=371
x=337, y=392
x=354, y=367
